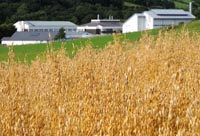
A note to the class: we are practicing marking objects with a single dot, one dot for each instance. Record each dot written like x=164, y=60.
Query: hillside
x=31, y=51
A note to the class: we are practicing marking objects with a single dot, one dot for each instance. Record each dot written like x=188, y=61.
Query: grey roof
x=33, y=36
x=104, y=23
x=5, y=38
x=50, y=23
x=170, y=13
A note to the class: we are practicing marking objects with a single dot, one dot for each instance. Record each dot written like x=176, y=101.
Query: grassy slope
x=130, y=4
x=31, y=51
x=180, y=4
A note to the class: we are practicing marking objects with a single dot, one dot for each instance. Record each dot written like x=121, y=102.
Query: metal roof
x=50, y=23
x=168, y=11
x=170, y=14
x=5, y=38
x=32, y=36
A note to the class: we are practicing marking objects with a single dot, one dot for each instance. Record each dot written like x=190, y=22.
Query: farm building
x=135, y=23
x=156, y=18
x=23, y=38
x=44, y=26
x=102, y=26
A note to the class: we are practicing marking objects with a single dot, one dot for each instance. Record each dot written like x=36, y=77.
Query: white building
x=156, y=18
x=102, y=26
x=135, y=23
x=24, y=38
x=44, y=26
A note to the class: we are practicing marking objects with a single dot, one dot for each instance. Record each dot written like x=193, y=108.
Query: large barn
x=44, y=26
x=156, y=18
x=31, y=32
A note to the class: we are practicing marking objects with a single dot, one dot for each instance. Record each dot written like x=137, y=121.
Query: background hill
x=77, y=11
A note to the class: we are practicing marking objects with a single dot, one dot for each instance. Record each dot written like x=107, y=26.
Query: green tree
x=6, y=30
x=23, y=9
x=61, y=34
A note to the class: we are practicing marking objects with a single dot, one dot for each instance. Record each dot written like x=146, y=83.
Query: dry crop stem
x=147, y=88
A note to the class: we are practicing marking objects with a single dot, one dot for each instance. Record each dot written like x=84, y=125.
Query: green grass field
x=29, y=52
x=182, y=4
x=129, y=4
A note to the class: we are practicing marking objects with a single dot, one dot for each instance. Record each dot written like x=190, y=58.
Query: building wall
x=84, y=28
x=99, y=30
x=21, y=42
x=131, y=25
x=19, y=26
x=6, y=42
x=93, y=31
x=110, y=30
x=149, y=22
x=168, y=22
x=80, y=28
x=51, y=29
x=141, y=23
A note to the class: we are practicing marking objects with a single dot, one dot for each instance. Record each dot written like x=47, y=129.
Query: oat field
x=150, y=87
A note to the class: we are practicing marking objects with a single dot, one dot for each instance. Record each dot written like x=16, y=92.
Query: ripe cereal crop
x=150, y=87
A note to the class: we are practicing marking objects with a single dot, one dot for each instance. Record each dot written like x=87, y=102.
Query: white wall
x=21, y=42
x=149, y=21
x=131, y=25
x=7, y=42
x=50, y=29
x=141, y=23
x=82, y=28
x=19, y=26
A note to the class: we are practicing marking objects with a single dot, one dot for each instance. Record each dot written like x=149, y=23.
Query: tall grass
x=146, y=88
